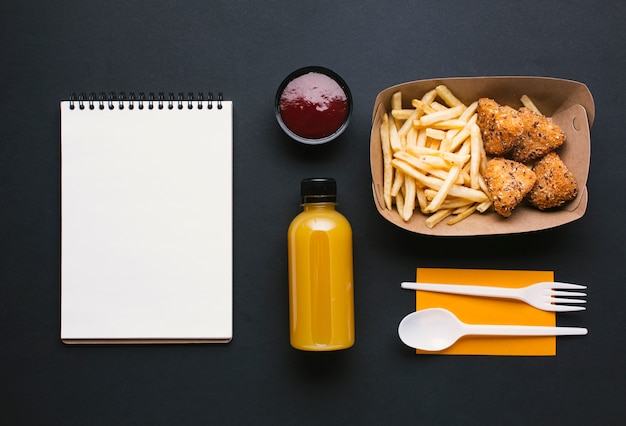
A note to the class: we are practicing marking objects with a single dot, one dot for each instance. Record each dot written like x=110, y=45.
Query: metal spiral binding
x=140, y=101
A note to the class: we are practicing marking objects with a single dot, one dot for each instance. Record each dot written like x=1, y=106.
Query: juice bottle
x=321, y=293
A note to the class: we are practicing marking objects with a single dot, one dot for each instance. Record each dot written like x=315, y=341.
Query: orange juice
x=321, y=294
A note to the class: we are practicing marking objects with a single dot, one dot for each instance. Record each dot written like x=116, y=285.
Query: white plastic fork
x=547, y=296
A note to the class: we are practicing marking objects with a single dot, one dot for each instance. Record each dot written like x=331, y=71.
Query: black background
x=244, y=49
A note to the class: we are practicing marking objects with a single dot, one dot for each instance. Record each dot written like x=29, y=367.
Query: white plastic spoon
x=437, y=329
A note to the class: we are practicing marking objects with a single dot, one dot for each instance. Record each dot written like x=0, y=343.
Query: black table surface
x=244, y=49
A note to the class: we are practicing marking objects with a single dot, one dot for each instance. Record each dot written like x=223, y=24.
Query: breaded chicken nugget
x=540, y=136
x=555, y=183
x=508, y=182
x=500, y=126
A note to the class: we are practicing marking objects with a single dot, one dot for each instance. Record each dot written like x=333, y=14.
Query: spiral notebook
x=146, y=219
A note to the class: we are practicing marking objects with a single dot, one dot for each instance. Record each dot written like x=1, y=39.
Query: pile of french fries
x=433, y=156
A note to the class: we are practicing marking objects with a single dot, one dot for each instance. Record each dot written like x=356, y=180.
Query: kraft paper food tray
x=570, y=105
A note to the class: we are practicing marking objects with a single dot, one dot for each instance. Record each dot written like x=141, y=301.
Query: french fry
x=400, y=203
x=476, y=142
x=465, y=177
x=448, y=156
x=394, y=138
x=421, y=198
x=429, y=96
x=462, y=215
x=452, y=124
x=447, y=114
x=411, y=137
x=462, y=209
x=469, y=112
x=461, y=136
x=409, y=198
x=387, y=155
x=447, y=96
x=398, y=182
x=435, y=204
x=456, y=204
x=435, y=218
x=396, y=100
x=421, y=138
x=528, y=103
x=423, y=106
x=484, y=206
x=433, y=162
x=435, y=133
x=433, y=143
x=438, y=106
x=483, y=184
x=402, y=114
x=396, y=103
x=402, y=132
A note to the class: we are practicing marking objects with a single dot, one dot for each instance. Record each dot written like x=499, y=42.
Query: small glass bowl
x=313, y=105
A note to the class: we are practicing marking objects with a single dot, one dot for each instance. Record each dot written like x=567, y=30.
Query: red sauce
x=313, y=106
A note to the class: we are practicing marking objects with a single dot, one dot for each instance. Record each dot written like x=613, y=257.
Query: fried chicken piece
x=500, y=126
x=555, y=183
x=540, y=136
x=508, y=182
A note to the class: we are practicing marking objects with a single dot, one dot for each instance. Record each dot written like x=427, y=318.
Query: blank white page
x=146, y=224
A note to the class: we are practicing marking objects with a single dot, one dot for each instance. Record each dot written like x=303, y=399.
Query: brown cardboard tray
x=569, y=103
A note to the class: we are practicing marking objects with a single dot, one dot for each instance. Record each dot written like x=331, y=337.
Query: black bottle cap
x=318, y=190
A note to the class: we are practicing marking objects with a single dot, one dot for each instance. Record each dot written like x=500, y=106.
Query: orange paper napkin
x=482, y=310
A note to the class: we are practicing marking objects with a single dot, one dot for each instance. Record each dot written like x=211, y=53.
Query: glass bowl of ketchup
x=313, y=105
